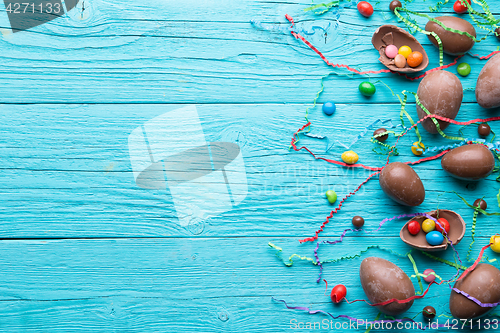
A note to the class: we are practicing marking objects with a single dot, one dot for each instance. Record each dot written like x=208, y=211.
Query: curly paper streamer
x=310, y=239
x=473, y=232
x=485, y=57
x=427, y=275
x=376, y=123
x=360, y=321
x=487, y=16
x=438, y=6
x=475, y=300
x=276, y=27
x=444, y=261
x=290, y=259
x=416, y=272
x=333, y=4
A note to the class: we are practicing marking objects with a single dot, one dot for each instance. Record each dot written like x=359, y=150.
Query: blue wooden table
x=84, y=248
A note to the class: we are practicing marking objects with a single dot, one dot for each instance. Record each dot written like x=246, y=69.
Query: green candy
x=367, y=89
x=331, y=196
x=463, y=69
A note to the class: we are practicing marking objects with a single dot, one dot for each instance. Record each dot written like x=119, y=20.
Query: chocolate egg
x=453, y=43
x=402, y=184
x=488, y=84
x=382, y=280
x=483, y=283
x=456, y=233
x=441, y=93
x=470, y=162
x=391, y=35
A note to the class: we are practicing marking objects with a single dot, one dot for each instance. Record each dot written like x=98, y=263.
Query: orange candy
x=415, y=59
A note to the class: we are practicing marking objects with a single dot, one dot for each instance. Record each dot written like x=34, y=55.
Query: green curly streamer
x=290, y=259
x=444, y=261
x=327, y=7
x=474, y=217
x=438, y=6
x=416, y=272
x=371, y=326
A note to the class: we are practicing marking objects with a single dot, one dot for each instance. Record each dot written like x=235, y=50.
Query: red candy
x=365, y=9
x=414, y=227
x=459, y=8
x=444, y=222
x=338, y=293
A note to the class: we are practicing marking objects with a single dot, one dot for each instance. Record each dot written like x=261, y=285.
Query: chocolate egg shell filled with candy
x=488, y=84
x=402, y=184
x=453, y=43
x=391, y=35
x=457, y=231
x=441, y=93
x=470, y=162
x=382, y=280
x=483, y=283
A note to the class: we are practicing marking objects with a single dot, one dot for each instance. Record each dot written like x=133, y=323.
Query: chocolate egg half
x=382, y=280
x=453, y=43
x=488, y=84
x=391, y=35
x=418, y=241
x=402, y=184
x=483, y=283
x=470, y=162
x=441, y=93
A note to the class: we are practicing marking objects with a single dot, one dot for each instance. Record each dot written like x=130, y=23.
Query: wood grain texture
x=84, y=249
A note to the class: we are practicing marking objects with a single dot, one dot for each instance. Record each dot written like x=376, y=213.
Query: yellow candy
x=495, y=243
x=428, y=225
x=349, y=157
x=405, y=51
x=417, y=148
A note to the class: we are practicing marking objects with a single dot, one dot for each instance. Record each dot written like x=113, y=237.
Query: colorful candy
x=417, y=148
x=415, y=59
x=329, y=108
x=395, y=4
x=495, y=243
x=338, y=293
x=429, y=312
x=414, y=227
x=481, y=204
x=400, y=61
x=331, y=196
x=405, y=51
x=367, y=88
x=435, y=238
x=459, y=8
x=428, y=225
x=358, y=221
x=391, y=51
x=365, y=9
x=349, y=157
x=463, y=69
x=383, y=137
x=443, y=223
x=428, y=276
x=484, y=129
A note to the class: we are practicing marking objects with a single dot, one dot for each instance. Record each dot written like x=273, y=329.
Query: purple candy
x=391, y=51
x=429, y=278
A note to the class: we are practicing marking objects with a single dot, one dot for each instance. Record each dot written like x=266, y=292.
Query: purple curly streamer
x=475, y=300
x=360, y=321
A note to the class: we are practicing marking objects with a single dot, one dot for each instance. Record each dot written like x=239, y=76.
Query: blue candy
x=434, y=238
x=329, y=108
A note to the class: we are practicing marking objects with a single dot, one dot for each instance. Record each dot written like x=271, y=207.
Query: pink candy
x=391, y=51
x=429, y=278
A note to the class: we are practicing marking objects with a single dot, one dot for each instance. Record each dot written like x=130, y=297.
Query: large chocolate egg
x=470, y=162
x=441, y=93
x=453, y=43
x=402, y=184
x=488, y=84
x=382, y=280
x=483, y=283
